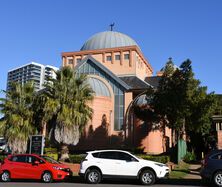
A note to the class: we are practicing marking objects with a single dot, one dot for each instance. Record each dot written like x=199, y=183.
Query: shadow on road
x=173, y=182
x=187, y=182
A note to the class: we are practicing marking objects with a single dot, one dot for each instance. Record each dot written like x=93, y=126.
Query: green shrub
x=76, y=158
x=55, y=156
x=2, y=157
x=156, y=158
x=162, y=159
x=50, y=150
x=189, y=157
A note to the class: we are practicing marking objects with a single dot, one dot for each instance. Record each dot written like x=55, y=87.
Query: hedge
x=2, y=157
x=76, y=158
x=51, y=152
x=156, y=158
x=189, y=157
x=163, y=159
x=55, y=156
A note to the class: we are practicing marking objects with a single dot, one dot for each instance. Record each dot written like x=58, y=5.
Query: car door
x=126, y=165
x=34, y=171
x=106, y=162
x=18, y=165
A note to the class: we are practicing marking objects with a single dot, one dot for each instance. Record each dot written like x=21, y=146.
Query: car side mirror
x=36, y=163
x=133, y=160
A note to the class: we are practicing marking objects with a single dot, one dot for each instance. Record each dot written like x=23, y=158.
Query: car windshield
x=50, y=160
x=2, y=142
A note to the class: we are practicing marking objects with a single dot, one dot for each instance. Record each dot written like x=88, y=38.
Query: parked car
x=120, y=164
x=211, y=170
x=31, y=166
x=2, y=144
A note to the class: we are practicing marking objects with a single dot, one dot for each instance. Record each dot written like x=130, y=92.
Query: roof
x=104, y=150
x=108, y=39
x=22, y=66
x=98, y=87
x=135, y=83
x=154, y=81
x=103, y=68
x=217, y=117
x=36, y=64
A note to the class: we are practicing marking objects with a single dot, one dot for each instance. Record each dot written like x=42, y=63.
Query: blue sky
x=39, y=30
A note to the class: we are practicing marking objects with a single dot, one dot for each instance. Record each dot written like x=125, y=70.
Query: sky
x=40, y=30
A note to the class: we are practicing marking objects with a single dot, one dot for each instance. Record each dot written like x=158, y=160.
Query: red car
x=31, y=166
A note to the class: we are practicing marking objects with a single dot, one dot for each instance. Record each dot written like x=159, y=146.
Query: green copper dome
x=108, y=39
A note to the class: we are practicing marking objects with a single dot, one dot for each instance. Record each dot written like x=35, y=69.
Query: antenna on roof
x=111, y=26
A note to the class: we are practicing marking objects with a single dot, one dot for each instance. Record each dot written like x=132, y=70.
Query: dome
x=98, y=87
x=108, y=39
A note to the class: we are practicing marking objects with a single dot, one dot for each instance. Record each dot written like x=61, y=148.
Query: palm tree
x=44, y=109
x=70, y=95
x=16, y=124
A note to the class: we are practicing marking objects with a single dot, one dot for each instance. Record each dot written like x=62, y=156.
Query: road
x=79, y=183
x=33, y=184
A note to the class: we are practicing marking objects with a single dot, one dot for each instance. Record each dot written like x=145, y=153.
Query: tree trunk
x=183, y=133
x=172, y=137
x=64, y=151
x=44, y=128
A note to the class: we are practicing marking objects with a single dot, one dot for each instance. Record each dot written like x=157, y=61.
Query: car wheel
x=5, y=176
x=147, y=177
x=218, y=178
x=47, y=177
x=93, y=176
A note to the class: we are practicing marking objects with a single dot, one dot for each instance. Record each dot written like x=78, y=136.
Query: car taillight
x=2, y=162
x=83, y=161
x=204, y=162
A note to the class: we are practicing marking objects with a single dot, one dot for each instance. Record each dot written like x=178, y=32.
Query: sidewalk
x=194, y=172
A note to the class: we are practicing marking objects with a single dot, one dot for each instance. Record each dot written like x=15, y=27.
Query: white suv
x=120, y=164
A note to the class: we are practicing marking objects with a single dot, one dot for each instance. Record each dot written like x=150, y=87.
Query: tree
x=44, y=109
x=16, y=124
x=69, y=97
x=182, y=100
x=218, y=110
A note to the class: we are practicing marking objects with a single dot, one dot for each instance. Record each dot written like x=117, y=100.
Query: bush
x=156, y=158
x=189, y=157
x=162, y=159
x=55, y=156
x=76, y=158
x=2, y=157
x=50, y=150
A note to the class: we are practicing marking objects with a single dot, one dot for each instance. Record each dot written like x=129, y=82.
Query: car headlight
x=160, y=165
x=56, y=168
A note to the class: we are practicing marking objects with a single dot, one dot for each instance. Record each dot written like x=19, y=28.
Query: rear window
x=106, y=155
x=217, y=156
x=2, y=142
x=18, y=159
x=96, y=155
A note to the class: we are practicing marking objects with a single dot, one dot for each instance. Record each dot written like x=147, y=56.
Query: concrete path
x=194, y=172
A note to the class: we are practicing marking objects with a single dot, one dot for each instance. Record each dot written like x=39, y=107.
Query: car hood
x=59, y=165
x=152, y=163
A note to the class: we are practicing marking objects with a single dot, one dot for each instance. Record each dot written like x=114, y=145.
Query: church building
x=119, y=74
